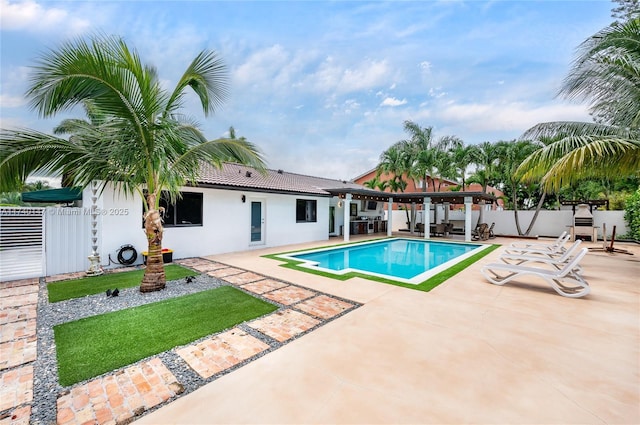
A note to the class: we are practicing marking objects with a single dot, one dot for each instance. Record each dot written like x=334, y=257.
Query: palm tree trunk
x=514, y=199
x=406, y=210
x=154, y=278
x=535, y=216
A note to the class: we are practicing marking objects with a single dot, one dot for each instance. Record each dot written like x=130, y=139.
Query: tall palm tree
x=422, y=153
x=487, y=159
x=396, y=162
x=444, y=163
x=607, y=74
x=511, y=155
x=462, y=158
x=137, y=139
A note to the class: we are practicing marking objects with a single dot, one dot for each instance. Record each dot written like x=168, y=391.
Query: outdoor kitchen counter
x=361, y=227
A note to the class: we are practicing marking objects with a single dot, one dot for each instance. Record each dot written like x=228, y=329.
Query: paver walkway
x=126, y=393
x=17, y=349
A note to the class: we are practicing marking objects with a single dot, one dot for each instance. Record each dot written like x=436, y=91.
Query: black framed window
x=187, y=210
x=306, y=210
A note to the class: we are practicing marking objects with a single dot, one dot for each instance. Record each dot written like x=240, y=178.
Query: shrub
x=632, y=215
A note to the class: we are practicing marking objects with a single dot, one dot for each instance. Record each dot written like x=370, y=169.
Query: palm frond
x=561, y=129
x=606, y=72
x=577, y=157
x=207, y=76
x=25, y=152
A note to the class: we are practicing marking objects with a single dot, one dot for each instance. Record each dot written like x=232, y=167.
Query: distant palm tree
x=11, y=199
x=445, y=166
x=607, y=73
x=487, y=159
x=421, y=152
x=376, y=183
x=137, y=139
x=396, y=162
x=462, y=158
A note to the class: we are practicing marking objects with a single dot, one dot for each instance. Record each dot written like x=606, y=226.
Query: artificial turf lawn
x=76, y=288
x=92, y=346
x=426, y=286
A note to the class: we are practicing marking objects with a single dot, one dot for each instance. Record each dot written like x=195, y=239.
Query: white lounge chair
x=565, y=281
x=556, y=247
x=539, y=244
x=556, y=260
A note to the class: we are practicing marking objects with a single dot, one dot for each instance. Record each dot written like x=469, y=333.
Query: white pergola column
x=481, y=213
x=426, y=212
x=347, y=217
x=468, y=204
x=389, y=216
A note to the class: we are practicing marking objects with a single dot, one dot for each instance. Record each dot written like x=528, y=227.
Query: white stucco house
x=231, y=209
x=235, y=208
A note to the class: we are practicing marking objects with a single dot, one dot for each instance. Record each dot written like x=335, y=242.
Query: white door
x=257, y=222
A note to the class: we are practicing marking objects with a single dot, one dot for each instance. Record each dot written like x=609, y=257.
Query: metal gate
x=22, y=247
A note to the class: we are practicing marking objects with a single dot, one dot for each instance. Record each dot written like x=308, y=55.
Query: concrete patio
x=466, y=352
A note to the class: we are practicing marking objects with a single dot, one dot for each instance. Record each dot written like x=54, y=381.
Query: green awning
x=63, y=195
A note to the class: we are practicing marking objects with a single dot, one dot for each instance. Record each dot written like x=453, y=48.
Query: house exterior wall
x=226, y=223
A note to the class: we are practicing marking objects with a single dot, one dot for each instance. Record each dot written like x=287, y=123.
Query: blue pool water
x=405, y=260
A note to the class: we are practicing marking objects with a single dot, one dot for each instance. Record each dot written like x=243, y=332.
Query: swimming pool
x=405, y=260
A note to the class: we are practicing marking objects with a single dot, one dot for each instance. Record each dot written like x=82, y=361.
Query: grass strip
x=92, y=346
x=426, y=286
x=76, y=288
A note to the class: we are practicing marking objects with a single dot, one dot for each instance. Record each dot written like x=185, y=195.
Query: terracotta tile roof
x=243, y=177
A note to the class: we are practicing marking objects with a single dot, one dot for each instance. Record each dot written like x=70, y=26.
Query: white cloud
x=437, y=92
x=514, y=117
x=425, y=66
x=262, y=66
x=350, y=105
x=8, y=101
x=11, y=123
x=337, y=77
x=31, y=16
x=392, y=101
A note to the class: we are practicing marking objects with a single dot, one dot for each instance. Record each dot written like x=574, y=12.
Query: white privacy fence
x=68, y=240
x=548, y=223
x=21, y=243
x=37, y=242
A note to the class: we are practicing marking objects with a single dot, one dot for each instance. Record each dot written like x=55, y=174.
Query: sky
x=323, y=87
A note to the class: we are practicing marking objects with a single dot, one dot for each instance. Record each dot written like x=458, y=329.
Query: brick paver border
x=221, y=352
x=118, y=398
